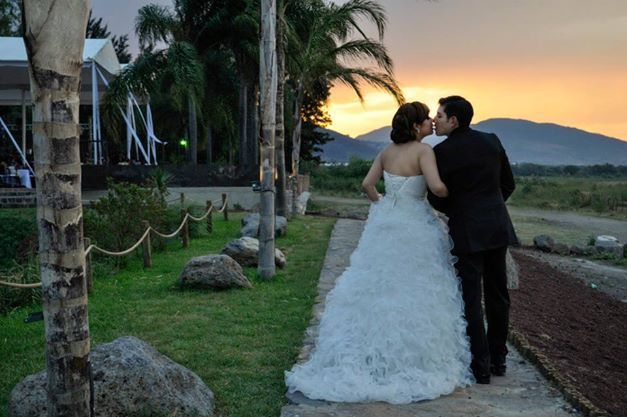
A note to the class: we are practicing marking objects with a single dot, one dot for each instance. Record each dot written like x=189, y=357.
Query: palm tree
x=54, y=36
x=154, y=24
x=268, y=84
x=279, y=139
x=177, y=69
x=326, y=45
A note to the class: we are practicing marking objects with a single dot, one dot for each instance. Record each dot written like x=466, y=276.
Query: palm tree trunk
x=268, y=83
x=298, y=125
x=54, y=38
x=193, y=131
x=281, y=182
x=242, y=154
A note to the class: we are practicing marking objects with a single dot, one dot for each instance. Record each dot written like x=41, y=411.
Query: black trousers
x=489, y=265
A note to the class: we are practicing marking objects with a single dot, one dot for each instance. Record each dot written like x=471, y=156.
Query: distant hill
x=343, y=147
x=525, y=141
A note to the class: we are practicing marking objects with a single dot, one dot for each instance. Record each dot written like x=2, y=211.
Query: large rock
x=544, y=243
x=214, y=271
x=130, y=378
x=609, y=244
x=250, y=225
x=245, y=251
x=301, y=202
x=561, y=248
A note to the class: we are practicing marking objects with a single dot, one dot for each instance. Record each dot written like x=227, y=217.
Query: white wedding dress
x=393, y=327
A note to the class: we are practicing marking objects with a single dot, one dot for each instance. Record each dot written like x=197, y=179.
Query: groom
x=475, y=168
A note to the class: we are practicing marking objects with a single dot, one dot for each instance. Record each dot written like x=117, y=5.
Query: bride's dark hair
x=404, y=119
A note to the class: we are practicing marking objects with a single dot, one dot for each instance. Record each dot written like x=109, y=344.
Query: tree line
x=599, y=170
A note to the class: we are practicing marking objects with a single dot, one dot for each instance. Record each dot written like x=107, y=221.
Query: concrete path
x=522, y=393
x=243, y=197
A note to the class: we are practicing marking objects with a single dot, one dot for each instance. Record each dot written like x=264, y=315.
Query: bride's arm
x=370, y=181
x=430, y=171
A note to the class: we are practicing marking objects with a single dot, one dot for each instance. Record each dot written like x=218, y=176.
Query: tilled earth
x=582, y=331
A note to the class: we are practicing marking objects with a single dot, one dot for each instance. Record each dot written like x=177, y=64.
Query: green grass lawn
x=238, y=341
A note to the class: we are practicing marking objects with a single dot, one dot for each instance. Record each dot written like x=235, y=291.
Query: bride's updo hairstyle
x=404, y=119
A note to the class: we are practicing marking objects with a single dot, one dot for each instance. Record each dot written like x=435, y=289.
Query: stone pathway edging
x=549, y=371
x=522, y=393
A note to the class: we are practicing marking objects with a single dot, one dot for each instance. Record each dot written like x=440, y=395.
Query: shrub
x=11, y=298
x=116, y=222
x=17, y=228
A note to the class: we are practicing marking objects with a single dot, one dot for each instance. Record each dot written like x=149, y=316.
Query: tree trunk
x=281, y=182
x=298, y=125
x=242, y=153
x=54, y=37
x=193, y=131
x=268, y=84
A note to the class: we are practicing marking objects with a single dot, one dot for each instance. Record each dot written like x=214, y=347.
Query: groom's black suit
x=475, y=168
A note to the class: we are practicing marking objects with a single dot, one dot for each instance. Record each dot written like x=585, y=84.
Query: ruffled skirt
x=393, y=327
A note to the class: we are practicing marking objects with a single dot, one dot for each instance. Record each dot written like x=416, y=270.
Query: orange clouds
x=584, y=100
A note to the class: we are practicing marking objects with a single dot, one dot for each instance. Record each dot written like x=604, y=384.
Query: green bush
x=11, y=298
x=18, y=228
x=116, y=222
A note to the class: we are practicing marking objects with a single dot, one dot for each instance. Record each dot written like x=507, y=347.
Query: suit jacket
x=475, y=168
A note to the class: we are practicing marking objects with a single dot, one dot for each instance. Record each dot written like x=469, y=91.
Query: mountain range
x=524, y=141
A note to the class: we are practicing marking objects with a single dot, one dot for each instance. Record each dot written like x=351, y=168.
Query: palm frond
x=365, y=48
x=379, y=80
x=187, y=72
x=153, y=24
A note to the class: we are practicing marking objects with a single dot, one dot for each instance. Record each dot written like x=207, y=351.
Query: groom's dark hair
x=459, y=107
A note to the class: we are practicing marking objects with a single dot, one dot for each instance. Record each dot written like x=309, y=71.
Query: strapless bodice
x=398, y=186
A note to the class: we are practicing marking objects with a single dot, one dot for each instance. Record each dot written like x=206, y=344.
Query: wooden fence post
x=226, y=207
x=185, y=231
x=209, y=208
x=88, y=270
x=146, y=246
x=182, y=200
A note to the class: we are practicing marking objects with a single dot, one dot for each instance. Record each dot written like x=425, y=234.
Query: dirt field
x=580, y=330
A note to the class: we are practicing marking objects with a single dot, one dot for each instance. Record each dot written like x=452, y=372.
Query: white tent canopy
x=14, y=69
x=100, y=66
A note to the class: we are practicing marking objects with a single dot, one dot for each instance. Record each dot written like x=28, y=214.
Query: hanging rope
x=132, y=248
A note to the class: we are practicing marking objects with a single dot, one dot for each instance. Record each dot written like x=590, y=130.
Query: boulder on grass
x=608, y=244
x=301, y=202
x=218, y=272
x=560, y=248
x=130, y=378
x=245, y=251
x=544, y=243
x=250, y=225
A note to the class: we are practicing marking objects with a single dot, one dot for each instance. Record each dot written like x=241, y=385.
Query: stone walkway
x=522, y=393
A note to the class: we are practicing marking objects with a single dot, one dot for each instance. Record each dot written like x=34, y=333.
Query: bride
x=393, y=327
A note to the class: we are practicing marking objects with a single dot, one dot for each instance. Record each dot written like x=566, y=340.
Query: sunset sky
x=559, y=61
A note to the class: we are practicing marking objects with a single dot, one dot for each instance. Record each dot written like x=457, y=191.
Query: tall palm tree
x=283, y=30
x=177, y=70
x=327, y=46
x=54, y=36
x=156, y=23
x=268, y=84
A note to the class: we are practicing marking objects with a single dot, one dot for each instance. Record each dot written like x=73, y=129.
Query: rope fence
x=145, y=239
